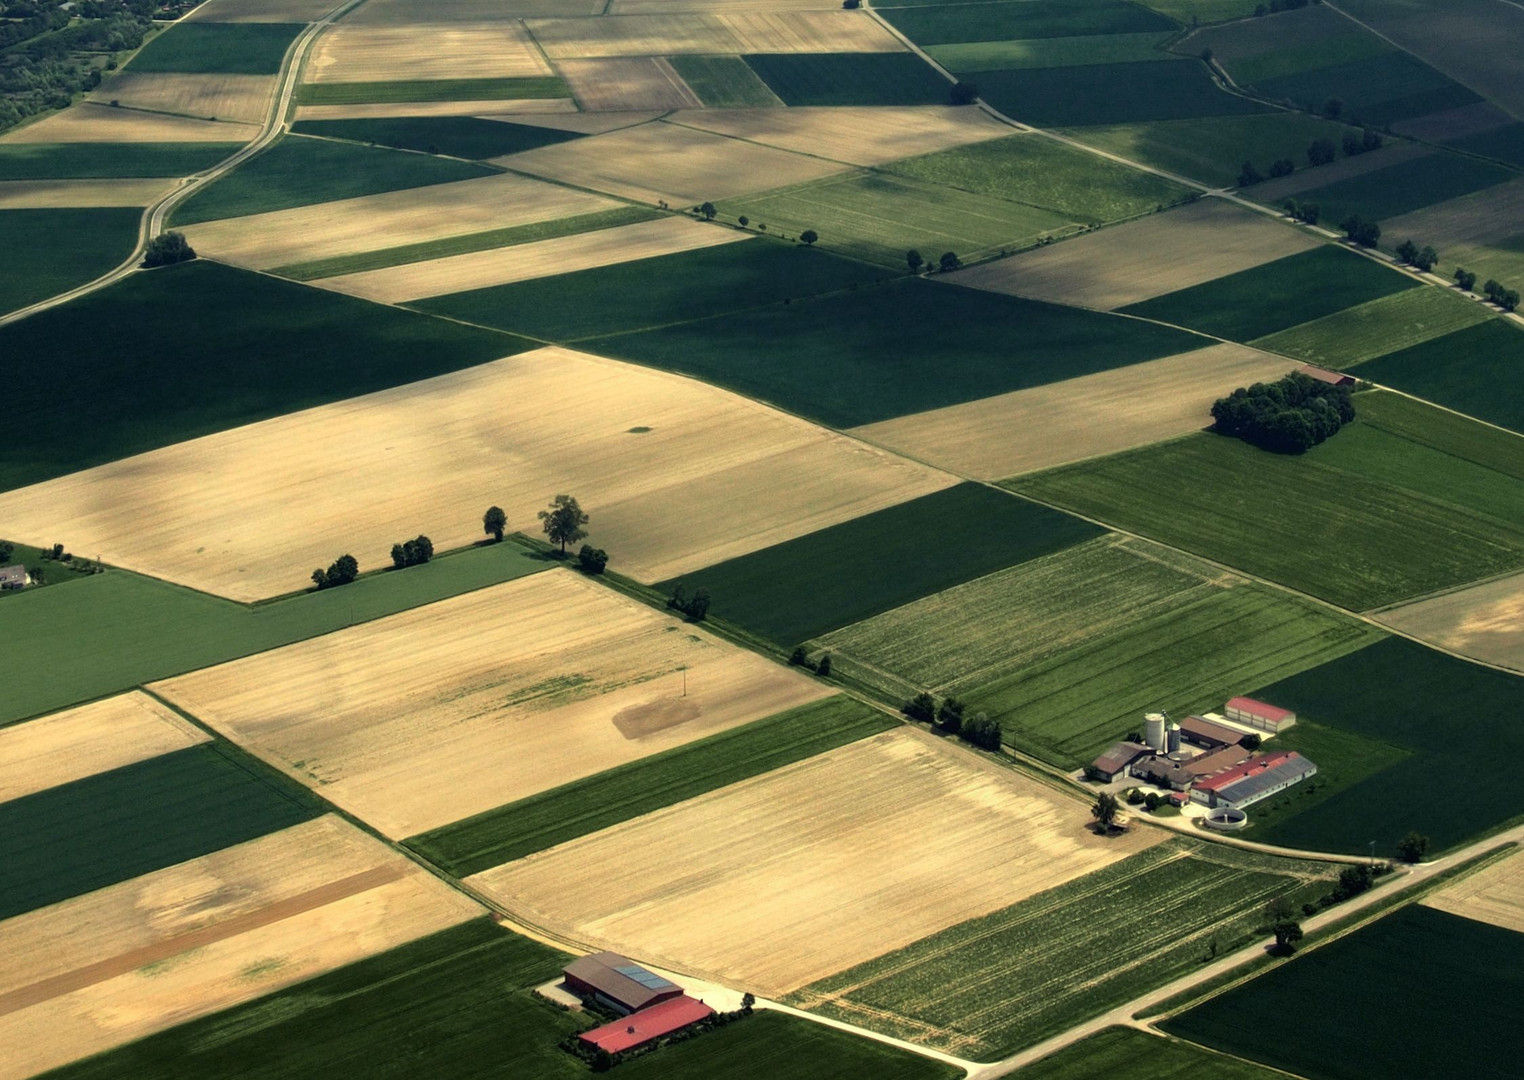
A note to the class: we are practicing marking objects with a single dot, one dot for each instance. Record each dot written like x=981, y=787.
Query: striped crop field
x=1377, y=327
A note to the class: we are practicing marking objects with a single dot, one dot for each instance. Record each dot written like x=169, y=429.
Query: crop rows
x=1376, y=328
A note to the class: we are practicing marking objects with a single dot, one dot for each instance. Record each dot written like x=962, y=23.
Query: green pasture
x=371, y=93
x=1387, y=324
x=300, y=171
x=116, y=825
x=1009, y=20
x=53, y=251
x=1314, y=36
x=1087, y=94
x=86, y=161
x=1374, y=89
x=1286, y=292
x=188, y=350
x=113, y=631
x=1478, y=371
x=990, y=986
x=723, y=82
x=901, y=347
x=1391, y=999
x=456, y=136
x=850, y=78
x=1192, y=12
x=802, y=588
x=218, y=48
x=53, y=571
x=1139, y=1055
x=1446, y=432
x=1504, y=144
x=975, y=56
x=673, y=776
x=1047, y=173
x=1399, y=189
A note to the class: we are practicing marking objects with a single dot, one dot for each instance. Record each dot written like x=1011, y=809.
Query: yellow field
x=242, y=98
x=701, y=33
x=627, y=84
x=296, y=491
x=90, y=739
x=448, y=710
x=500, y=266
x=256, y=11
x=1077, y=418
x=663, y=161
x=392, y=219
x=1485, y=622
x=1130, y=263
x=88, y=122
x=486, y=109
x=495, y=50
x=856, y=135
x=405, y=12
x=1494, y=894
x=787, y=878
x=45, y=194
x=123, y=962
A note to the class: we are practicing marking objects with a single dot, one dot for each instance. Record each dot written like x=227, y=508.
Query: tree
x=1105, y=809
x=914, y=261
x=851, y=5
x=1250, y=742
x=495, y=522
x=1206, y=55
x=1412, y=847
x=1370, y=140
x=963, y=93
x=1361, y=232
x=823, y=669
x=167, y=248
x=1282, y=167
x=743, y=221
x=562, y=522
x=982, y=732
x=698, y=606
x=1333, y=108
x=808, y=237
x=950, y=715
x=1287, y=933
x=1248, y=175
x=341, y=571
x=1465, y=279
x=748, y=1001
x=413, y=552
x=708, y=210
x=1510, y=299
x=592, y=560
x=799, y=657
x=1352, y=144
x=1320, y=152
x=922, y=707
x=38, y=575
x=1407, y=251
x=948, y=261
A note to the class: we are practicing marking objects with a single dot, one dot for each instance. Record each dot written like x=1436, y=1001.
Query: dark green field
x=188, y=350
x=1087, y=94
x=1015, y=20
x=1276, y=295
x=1398, y=189
x=457, y=136
x=902, y=347
x=51, y=251
x=723, y=82
x=654, y=292
x=1503, y=144
x=367, y=93
x=1138, y=1055
x=1374, y=89
x=1418, y=993
x=1479, y=371
x=802, y=588
x=850, y=78
x=116, y=825
x=565, y=813
x=299, y=171
x=218, y=48
x=84, y=161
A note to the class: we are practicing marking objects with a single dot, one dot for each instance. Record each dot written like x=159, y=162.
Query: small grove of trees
x=1250, y=742
x=1465, y=279
x=963, y=93
x=1105, y=809
x=1361, y=232
x=167, y=248
x=914, y=260
x=801, y=658
x=1363, y=143
x=592, y=560
x=1289, y=416
x=978, y=730
x=1423, y=258
x=562, y=522
x=1321, y=152
x=495, y=523
x=1306, y=213
x=1280, y=5
x=1248, y=175
x=1412, y=847
x=696, y=607
x=1501, y=295
x=414, y=552
x=341, y=571
x=851, y=5
x=949, y=261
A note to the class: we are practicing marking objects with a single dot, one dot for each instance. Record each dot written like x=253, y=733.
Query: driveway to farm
x=154, y=215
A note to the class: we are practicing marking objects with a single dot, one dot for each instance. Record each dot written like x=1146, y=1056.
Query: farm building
x=1256, y=779
x=13, y=577
x=1216, y=761
x=1259, y=715
x=642, y=1027
x=1115, y=762
x=1323, y=375
x=1164, y=772
x=618, y=983
x=1201, y=732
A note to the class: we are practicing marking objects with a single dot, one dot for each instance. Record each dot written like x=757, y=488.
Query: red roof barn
x=642, y=1027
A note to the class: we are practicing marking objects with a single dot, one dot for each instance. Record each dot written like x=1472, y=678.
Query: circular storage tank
x=1226, y=818
x=1172, y=737
x=1153, y=730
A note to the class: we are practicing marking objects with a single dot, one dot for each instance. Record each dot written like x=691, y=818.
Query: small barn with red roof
x=647, y=1025
x=1259, y=715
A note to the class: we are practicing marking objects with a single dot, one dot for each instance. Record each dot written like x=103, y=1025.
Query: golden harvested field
x=123, y=962
x=1114, y=267
x=500, y=266
x=89, y=122
x=663, y=161
x=295, y=491
x=495, y=50
x=1494, y=894
x=392, y=219
x=90, y=739
x=1079, y=418
x=856, y=135
x=417, y=720
x=627, y=84
x=702, y=33
x=485, y=109
x=242, y=98
x=1485, y=622
x=661, y=7
x=789, y=877
x=257, y=11
x=44, y=194
x=407, y=12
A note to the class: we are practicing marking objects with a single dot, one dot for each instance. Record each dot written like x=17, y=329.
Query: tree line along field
x=53, y=251
x=1384, y=1000
x=987, y=987
x=78, y=161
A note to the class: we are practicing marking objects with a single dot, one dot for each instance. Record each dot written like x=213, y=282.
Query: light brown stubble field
x=664, y=7
x=627, y=84
x=789, y=877
x=727, y=33
x=421, y=719
x=856, y=135
x=90, y=739
x=88, y=122
x=46, y=194
x=1484, y=622
x=123, y=962
x=420, y=51
x=408, y=12
x=292, y=492
x=1494, y=894
x=242, y=98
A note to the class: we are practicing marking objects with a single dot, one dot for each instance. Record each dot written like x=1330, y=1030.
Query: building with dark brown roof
x=13, y=577
x=1115, y=761
x=1199, y=731
x=618, y=983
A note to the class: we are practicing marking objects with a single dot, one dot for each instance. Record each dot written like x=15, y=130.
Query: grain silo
x=1172, y=738
x=1153, y=730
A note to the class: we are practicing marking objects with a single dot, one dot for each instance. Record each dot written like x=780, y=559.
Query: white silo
x=1172, y=738
x=1153, y=730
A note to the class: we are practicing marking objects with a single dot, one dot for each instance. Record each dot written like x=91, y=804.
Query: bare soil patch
x=858, y=136
x=420, y=51
x=486, y=109
x=1114, y=267
x=48, y=194
x=1494, y=894
x=627, y=84
x=731, y=32
x=784, y=879
x=262, y=11
x=242, y=98
x=90, y=122
x=1485, y=622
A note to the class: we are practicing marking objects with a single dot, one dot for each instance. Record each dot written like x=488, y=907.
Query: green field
x=117, y=630
x=850, y=78
x=218, y=48
x=1503, y=144
x=299, y=171
x=1374, y=89
x=1286, y=292
x=977, y=56
x=990, y=986
x=1387, y=1000
x=53, y=251
x=54, y=571
x=466, y=243
x=1457, y=436
x=1008, y=20
x=1479, y=371
x=457, y=136
x=1049, y=174
x=189, y=350
x=655, y=291
x=1375, y=328
x=1398, y=189
x=1324, y=522
x=116, y=825
x=84, y=161
x=1189, y=12
x=1314, y=36
x=370, y=93
x=877, y=218
x=565, y=813
x=802, y=588
x=897, y=348
x=723, y=82
x=1087, y=94
x=1140, y=1055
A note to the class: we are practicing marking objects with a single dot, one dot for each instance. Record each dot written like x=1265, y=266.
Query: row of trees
x=413, y=552
x=948, y=717
x=696, y=607
x=1423, y=258
x=1289, y=416
x=917, y=262
x=801, y=658
x=1361, y=232
x=1319, y=152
